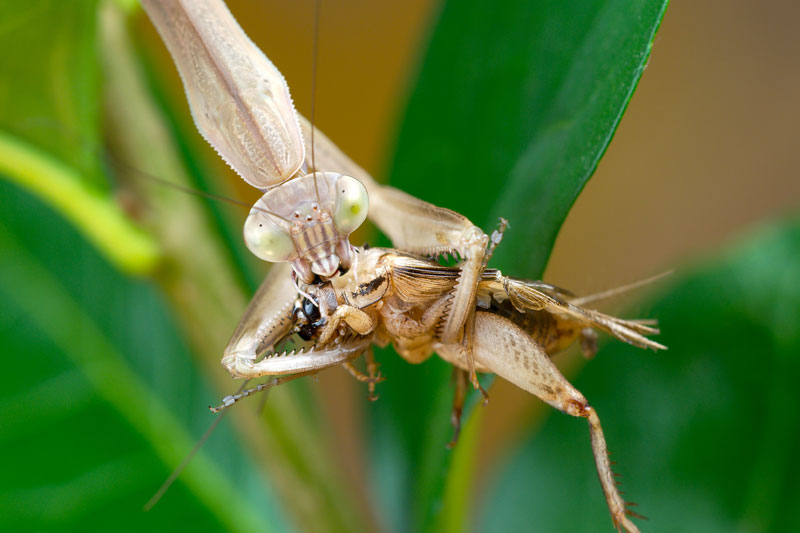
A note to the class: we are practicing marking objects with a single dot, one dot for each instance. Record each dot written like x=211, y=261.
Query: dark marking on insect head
x=366, y=288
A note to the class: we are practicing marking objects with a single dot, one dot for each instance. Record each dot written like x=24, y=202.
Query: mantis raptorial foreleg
x=268, y=319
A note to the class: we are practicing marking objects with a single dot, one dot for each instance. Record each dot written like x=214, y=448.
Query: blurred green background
x=112, y=349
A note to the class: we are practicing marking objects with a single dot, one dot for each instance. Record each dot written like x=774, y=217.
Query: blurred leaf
x=52, y=100
x=705, y=434
x=96, y=393
x=513, y=108
x=116, y=342
x=49, y=122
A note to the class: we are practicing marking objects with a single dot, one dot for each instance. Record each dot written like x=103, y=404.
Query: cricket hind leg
x=507, y=350
x=619, y=508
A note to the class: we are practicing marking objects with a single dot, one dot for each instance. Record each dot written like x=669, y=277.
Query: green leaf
x=100, y=397
x=705, y=434
x=513, y=108
x=49, y=123
x=52, y=96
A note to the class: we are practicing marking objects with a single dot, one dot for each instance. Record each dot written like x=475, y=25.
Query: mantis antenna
x=314, y=55
x=122, y=165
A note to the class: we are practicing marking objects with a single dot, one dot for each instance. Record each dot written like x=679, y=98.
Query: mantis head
x=307, y=221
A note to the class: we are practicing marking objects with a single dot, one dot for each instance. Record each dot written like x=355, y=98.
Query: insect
x=241, y=104
x=397, y=298
x=473, y=317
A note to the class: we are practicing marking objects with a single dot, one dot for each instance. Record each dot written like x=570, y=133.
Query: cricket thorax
x=307, y=221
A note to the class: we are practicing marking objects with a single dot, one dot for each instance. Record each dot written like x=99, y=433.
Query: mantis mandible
x=241, y=104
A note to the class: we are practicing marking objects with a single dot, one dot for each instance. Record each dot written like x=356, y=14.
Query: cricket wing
x=418, y=282
x=529, y=296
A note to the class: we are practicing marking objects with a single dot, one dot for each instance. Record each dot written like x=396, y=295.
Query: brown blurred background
x=707, y=148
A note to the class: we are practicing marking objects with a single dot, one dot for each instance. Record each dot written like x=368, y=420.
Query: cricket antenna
x=221, y=411
x=314, y=55
x=619, y=290
x=183, y=464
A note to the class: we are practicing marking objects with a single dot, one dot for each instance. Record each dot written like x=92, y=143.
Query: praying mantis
x=242, y=106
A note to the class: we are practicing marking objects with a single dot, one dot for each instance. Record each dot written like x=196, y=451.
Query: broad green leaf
x=49, y=122
x=705, y=434
x=513, y=108
x=100, y=398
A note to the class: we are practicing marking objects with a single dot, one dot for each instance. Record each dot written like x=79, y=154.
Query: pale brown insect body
x=394, y=297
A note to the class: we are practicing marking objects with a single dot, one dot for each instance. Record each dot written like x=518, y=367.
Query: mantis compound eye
x=352, y=204
x=266, y=240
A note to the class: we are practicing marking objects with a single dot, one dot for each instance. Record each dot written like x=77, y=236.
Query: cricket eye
x=266, y=240
x=352, y=204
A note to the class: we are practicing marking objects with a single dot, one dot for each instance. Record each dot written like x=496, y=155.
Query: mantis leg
x=266, y=321
x=296, y=361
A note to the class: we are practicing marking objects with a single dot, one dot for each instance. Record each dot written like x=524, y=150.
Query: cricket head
x=299, y=338
x=307, y=221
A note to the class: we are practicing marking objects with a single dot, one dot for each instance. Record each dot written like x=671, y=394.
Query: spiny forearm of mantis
x=239, y=100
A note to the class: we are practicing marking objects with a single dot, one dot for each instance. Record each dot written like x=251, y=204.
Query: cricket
x=332, y=301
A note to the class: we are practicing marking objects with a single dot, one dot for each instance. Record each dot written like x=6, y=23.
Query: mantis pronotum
x=241, y=105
